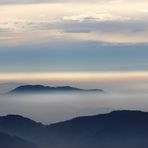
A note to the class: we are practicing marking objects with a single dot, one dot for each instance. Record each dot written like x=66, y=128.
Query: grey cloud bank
x=63, y=106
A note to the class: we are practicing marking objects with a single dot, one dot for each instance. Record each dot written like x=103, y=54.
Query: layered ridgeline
x=118, y=129
x=48, y=89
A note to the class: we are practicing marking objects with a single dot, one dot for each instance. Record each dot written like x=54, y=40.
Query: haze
x=100, y=44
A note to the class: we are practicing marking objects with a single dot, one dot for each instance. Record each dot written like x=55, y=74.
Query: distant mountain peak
x=18, y=120
x=49, y=89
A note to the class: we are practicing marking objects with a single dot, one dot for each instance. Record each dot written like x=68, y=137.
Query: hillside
x=118, y=129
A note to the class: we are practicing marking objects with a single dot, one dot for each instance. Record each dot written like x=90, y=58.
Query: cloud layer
x=107, y=22
x=52, y=1
x=69, y=1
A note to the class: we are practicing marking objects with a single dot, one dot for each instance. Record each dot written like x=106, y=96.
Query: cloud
x=43, y=1
x=115, y=24
x=69, y=1
x=113, y=32
x=144, y=10
x=52, y=1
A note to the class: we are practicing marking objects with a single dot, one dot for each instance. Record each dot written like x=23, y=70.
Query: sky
x=98, y=44
x=67, y=37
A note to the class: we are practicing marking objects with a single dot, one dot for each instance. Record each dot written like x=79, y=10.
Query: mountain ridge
x=49, y=89
x=124, y=129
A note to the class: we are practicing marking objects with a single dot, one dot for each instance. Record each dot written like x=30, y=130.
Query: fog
x=51, y=108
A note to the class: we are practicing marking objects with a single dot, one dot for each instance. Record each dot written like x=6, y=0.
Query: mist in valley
x=51, y=108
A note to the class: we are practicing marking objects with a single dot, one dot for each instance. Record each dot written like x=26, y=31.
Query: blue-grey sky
x=73, y=36
x=74, y=56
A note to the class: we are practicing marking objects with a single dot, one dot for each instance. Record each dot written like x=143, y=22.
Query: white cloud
x=52, y=1
x=69, y=1
x=111, y=23
x=144, y=10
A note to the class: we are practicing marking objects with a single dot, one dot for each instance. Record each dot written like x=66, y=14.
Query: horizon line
x=72, y=75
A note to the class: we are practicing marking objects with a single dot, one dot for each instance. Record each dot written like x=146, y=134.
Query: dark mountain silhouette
x=48, y=89
x=7, y=141
x=19, y=126
x=118, y=129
